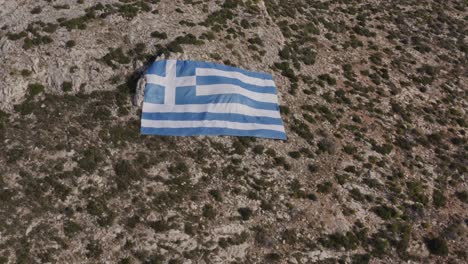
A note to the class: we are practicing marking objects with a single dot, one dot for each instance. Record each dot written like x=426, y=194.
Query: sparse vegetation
x=371, y=94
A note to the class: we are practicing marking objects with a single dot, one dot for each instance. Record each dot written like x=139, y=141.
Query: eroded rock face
x=82, y=64
x=373, y=100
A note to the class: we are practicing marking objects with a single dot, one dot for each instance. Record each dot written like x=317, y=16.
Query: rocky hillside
x=374, y=100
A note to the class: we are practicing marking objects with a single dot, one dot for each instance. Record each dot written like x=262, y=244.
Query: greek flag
x=186, y=98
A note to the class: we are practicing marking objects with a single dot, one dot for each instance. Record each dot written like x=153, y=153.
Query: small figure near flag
x=186, y=98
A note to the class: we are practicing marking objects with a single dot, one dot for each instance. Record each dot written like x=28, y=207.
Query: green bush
x=325, y=187
x=437, y=246
x=462, y=196
x=439, y=199
x=36, y=10
x=376, y=58
x=159, y=35
x=313, y=168
x=178, y=169
x=385, y=212
x=245, y=213
x=25, y=108
x=115, y=55
x=67, y=86
x=35, y=89
x=416, y=192
x=216, y=194
x=258, y=149
x=17, y=36
x=209, y=211
x=349, y=149
x=70, y=44
x=36, y=41
x=90, y=159
x=98, y=208
x=295, y=154
x=70, y=228
x=327, y=78
x=25, y=73
x=348, y=241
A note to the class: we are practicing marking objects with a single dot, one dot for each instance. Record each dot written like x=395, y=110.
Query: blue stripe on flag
x=154, y=93
x=260, y=75
x=158, y=68
x=207, y=80
x=186, y=95
x=212, y=116
x=187, y=68
x=197, y=131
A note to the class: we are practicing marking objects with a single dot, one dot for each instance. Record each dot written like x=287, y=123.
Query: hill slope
x=373, y=97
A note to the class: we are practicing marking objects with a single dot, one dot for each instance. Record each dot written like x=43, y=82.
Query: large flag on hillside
x=185, y=98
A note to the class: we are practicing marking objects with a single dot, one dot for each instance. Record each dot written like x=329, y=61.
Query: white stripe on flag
x=214, y=89
x=170, y=87
x=208, y=123
x=156, y=79
x=232, y=74
x=178, y=81
x=231, y=108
